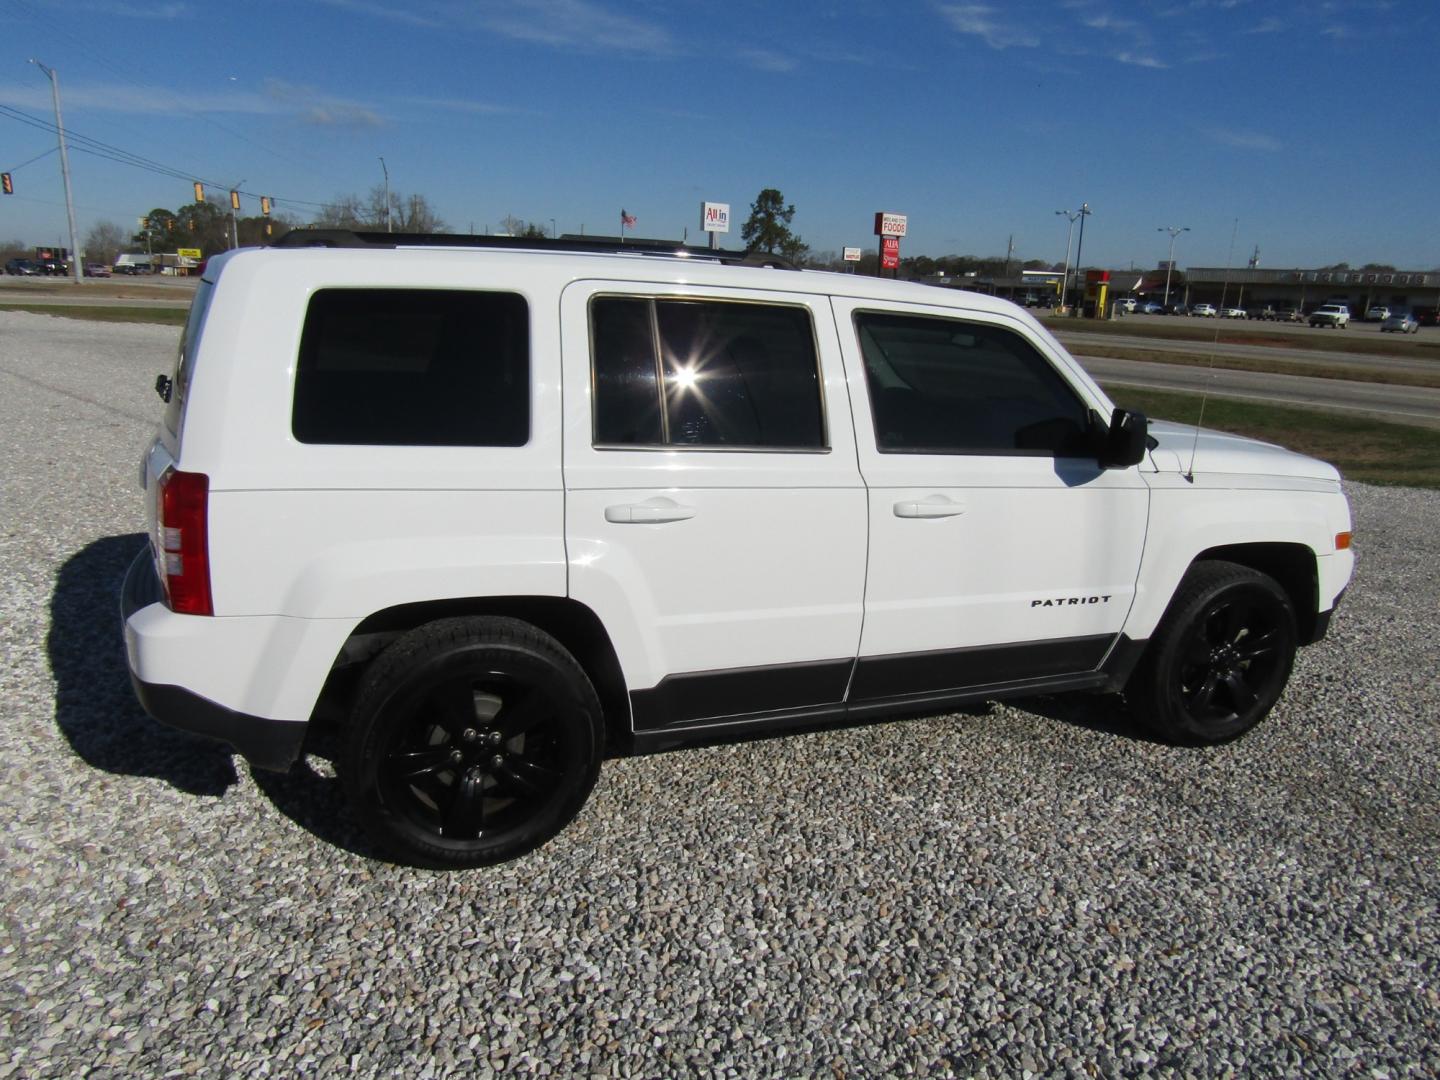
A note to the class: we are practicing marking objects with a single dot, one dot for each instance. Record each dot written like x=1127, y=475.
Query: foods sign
x=715, y=217
x=889, y=224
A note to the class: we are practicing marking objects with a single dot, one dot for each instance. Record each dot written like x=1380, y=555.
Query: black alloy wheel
x=1221, y=657
x=473, y=741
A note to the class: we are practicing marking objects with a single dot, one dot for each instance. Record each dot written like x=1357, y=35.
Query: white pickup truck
x=1330, y=315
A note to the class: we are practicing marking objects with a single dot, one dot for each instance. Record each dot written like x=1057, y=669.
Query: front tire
x=1220, y=658
x=472, y=741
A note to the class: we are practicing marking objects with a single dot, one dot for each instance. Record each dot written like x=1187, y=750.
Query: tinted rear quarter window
x=414, y=367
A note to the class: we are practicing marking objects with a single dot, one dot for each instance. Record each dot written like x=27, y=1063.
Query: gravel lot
x=1025, y=890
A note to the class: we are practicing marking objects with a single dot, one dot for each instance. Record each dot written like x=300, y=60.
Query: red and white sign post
x=890, y=228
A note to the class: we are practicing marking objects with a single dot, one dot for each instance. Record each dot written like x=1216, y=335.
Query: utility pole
x=1174, y=231
x=387, y=195
x=1084, y=212
x=234, y=205
x=75, y=267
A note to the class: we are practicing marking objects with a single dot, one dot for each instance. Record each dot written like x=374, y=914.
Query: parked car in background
x=1331, y=315
x=96, y=270
x=1152, y=308
x=1402, y=322
x=1232, y=313
x=1203, y=311
x=1378, y=313
x=1177, y=309
x=21, y=268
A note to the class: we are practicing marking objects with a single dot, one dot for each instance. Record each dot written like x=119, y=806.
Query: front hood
x=1217, y=453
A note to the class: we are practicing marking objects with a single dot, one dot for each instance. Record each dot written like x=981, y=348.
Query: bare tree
x=104, y=241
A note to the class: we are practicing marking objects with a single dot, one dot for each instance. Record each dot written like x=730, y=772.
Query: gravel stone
x=1024, y=889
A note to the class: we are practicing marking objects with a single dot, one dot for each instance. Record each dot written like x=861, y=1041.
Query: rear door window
x=705, y=374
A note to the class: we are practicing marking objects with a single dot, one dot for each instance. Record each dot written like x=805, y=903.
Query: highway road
x=1396, y=404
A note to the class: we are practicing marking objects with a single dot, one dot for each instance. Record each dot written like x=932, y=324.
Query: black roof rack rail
x=353, y=238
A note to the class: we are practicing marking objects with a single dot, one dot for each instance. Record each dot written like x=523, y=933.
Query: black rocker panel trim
x=715, y=732
x=701, y=695
x=819, y=686
x=942, y=670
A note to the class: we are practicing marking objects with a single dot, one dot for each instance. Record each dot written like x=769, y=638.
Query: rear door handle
x=936, y=506
x=651, y=512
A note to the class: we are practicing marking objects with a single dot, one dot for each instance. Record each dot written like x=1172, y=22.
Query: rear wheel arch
x=571, y=623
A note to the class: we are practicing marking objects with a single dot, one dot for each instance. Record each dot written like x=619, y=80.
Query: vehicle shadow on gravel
x=1105, y=714
x=313, y=797
x=95, y=708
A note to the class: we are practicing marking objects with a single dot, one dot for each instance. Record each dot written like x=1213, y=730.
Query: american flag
x=626, y=220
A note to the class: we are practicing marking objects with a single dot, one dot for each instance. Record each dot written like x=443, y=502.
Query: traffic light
x=234, y=200
x=265, y=205
x=6, y=184
x=199, y=192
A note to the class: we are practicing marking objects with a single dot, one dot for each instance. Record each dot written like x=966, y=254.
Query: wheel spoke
x=1253, y=646
x=1241, y=693
x=467, y=809
x=527, y=777
x=1236, y=619
x=454, y=705
x=1204, y=695
x=522, y=714
x=409, y=764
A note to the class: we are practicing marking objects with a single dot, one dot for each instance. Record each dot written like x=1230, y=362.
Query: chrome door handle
x=650, y=512
x=936, y=506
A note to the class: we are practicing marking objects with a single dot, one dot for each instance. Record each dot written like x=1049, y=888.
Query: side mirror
x=1125, y=443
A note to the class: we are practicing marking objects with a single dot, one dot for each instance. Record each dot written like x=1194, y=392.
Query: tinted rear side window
x=414, y=367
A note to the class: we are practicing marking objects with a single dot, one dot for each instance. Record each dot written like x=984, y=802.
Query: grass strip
x=163, y=316
x=1276, y=366
x=1370, y=451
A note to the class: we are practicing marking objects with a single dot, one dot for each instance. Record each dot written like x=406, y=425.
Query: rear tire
x=472, y=741
x=1220, y=658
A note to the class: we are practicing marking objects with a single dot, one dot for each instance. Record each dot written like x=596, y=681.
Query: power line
x=37, y=157
x=97, y=148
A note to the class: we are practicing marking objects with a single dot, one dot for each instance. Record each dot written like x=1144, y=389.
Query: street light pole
x=76, y=269
x=387, y=193
x=1069, y=236
x=1174, y=231
x=554, y=229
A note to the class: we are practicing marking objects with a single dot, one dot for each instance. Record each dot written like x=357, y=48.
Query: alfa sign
x=715, y=217
x=889, y=253
x=889, y=224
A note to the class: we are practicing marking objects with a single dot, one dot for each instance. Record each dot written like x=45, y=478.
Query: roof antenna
x=1214, y=347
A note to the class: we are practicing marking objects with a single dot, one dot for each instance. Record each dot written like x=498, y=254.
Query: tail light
x=182, y=546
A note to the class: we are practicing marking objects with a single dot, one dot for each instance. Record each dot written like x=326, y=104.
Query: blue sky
x=1310, y=129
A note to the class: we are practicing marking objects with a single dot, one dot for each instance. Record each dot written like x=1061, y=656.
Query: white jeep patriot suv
x=505, y=505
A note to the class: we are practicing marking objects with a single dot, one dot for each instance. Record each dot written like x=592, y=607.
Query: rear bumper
x=150, y=641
